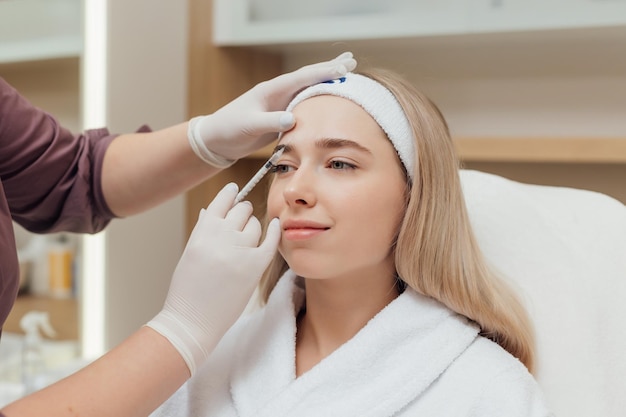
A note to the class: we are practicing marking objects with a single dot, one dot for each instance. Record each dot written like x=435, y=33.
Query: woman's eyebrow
x=331, y=143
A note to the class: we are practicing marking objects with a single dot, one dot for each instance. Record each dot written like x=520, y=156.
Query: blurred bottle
x=60, y=267
x=35, y=252
x=33, y=365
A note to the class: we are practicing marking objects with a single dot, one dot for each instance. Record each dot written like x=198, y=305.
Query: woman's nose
x=300, y=190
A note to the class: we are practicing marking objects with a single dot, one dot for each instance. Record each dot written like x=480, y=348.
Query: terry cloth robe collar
x=385, y=366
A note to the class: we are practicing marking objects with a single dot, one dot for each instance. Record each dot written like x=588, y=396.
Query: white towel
x=565, y=251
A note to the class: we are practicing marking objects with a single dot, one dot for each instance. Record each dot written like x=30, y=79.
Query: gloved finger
x=343, y=63
x=346, y=59
x=239, y=215
x=199, y=224
x=312, y=74
x=252, y=232
x=268, y=247
x=223, y=201
x=267, y=122
x=343, y=55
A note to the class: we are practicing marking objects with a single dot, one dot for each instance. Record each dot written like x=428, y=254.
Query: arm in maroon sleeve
x=51, y=178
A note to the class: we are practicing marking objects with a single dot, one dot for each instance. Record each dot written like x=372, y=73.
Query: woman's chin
x=307, y=264
x=308, y=271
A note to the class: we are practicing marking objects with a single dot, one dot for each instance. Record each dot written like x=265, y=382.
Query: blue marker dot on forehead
x=335, y=81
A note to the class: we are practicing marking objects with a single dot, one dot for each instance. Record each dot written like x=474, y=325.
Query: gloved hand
x=252, y=120
x=215, y=277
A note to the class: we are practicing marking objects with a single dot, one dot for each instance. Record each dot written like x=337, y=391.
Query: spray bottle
x=33, y=364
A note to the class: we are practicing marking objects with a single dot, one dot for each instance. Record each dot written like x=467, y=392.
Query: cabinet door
x=513, y=15
x=40, y=29
x=280, y=22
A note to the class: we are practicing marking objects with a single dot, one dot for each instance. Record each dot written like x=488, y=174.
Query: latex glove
x=215, y=277
x=252, y=120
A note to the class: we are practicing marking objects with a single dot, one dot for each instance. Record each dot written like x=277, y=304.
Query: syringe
x=260, y=174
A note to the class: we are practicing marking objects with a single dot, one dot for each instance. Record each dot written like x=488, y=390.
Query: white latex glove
x=252, y=120
x=215, y=277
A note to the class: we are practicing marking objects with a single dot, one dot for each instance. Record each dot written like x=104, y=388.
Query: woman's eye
x=341, y=165
x=280, y=169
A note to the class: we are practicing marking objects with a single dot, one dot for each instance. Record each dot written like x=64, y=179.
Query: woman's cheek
x=273, y=206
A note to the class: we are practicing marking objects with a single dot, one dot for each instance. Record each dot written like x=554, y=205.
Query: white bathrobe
x=414, y=358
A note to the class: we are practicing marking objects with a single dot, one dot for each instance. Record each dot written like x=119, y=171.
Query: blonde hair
x=436, y=253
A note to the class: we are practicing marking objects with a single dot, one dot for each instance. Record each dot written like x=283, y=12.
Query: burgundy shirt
x=50, y=180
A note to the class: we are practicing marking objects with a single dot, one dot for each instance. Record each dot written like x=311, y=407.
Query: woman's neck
x=336, y=310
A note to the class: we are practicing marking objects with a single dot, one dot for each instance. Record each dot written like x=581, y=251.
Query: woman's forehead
x=330, y=117
x=329, y=104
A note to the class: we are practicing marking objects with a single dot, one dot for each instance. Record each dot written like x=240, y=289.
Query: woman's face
x=338, y=191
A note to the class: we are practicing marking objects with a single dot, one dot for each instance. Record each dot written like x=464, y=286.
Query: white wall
x=147, y=83
x=570, y=106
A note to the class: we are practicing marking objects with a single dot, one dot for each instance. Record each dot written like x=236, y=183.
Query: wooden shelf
x=544, y=150
x=540, y=150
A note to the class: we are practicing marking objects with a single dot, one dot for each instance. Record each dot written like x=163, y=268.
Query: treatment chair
x=564, y=251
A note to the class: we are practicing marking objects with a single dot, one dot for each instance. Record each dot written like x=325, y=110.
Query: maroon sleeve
x=51, y=178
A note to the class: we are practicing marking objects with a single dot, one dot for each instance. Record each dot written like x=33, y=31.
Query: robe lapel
x=265, y=361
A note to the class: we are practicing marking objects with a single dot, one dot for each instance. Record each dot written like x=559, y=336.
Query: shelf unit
x=41, y=44
x=451, y=40
x=142, y=75
x=496, y=55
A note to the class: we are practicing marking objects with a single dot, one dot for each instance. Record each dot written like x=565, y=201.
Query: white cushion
x=564, y=250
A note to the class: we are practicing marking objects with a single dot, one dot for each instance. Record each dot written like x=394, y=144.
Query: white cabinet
x=283, y=22
x=445, y=38
x=525, y=15
x=40, y=29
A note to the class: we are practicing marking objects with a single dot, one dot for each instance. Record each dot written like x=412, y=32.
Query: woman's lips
x=301, y=234
x=300, y=230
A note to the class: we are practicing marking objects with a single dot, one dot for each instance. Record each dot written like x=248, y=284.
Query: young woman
x=379, y=302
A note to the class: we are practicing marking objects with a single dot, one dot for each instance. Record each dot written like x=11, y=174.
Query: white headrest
x=565, y=251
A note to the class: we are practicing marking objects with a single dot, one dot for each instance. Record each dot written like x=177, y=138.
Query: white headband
x=379, y=102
